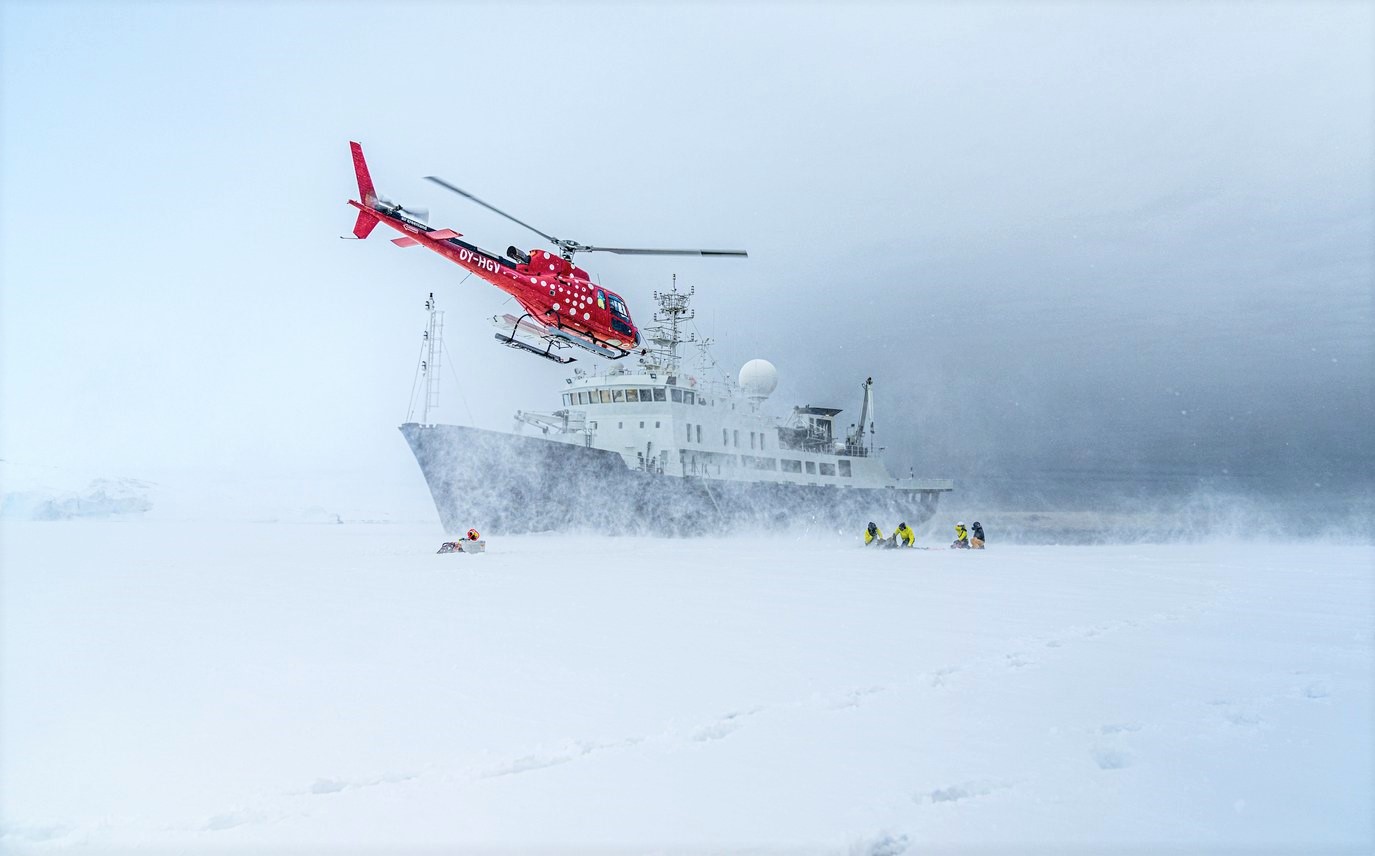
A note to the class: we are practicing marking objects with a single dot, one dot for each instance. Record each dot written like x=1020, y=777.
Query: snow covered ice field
x=273, y=687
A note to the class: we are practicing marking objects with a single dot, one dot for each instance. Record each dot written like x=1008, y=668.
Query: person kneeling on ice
x=469, y=544
x=961, y=537
x=905, y=537
x=872, y=534
x=977, y=541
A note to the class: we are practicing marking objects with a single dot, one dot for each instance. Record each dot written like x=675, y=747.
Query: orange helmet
x=472, y=534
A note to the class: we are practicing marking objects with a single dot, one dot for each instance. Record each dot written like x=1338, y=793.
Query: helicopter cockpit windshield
x=618, y=306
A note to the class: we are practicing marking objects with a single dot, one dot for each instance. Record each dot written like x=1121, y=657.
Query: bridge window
x=689, y=433
x=632, y=395
x=606, y=396
x=736, y=434
x=618, y=395
x=699, y=433
x=658, y=393
x=687, y=396
x=844, y=468
x=678, y=395
x=811, y=468
x=725, y=437
x=568, y=399
x=646, y=395
x=792, y=466
x=828, y=469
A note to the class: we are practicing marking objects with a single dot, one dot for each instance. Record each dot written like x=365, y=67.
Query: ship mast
x=673, y=312
x=431, y=353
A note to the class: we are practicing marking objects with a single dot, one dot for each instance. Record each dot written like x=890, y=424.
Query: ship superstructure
x=673, y=448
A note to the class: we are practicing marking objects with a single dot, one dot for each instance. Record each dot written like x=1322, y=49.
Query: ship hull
x=508, y=484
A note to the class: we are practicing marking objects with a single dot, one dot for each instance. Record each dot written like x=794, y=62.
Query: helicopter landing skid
x=601, y=350
x=553, y=335
x=512, y=342
x=532, y=328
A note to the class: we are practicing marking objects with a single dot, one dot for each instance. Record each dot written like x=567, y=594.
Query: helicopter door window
x=601, y=299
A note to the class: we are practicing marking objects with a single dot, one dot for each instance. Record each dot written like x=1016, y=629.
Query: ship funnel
x=758, y=380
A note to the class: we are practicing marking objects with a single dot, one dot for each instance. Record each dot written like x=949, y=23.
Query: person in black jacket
x=976, y=536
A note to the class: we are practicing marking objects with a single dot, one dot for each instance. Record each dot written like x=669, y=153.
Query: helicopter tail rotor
x=374, y=201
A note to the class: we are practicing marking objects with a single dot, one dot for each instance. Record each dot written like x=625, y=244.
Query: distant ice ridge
x=105, y=497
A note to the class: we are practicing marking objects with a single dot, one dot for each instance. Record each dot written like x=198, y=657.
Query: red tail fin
x=366, y=194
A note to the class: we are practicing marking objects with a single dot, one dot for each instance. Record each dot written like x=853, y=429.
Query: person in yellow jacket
x=872, y=534
x=961, y=537
x=905, y=536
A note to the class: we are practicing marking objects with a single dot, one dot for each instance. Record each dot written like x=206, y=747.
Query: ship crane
x=856, y=440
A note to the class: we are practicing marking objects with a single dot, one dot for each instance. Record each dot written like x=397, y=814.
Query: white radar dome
x=758, y=379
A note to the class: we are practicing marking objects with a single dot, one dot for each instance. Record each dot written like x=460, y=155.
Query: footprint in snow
x=231, y=819
x=1243, y=718
x=334, y=786
x=724, y=726
x=525, y=764
x=883, y=844
x=1108, y=758
x=1316, y=690
x=942, y=676
x=854, y=698
x=965, y=791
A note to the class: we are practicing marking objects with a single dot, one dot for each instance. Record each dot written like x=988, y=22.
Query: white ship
x=664, y=448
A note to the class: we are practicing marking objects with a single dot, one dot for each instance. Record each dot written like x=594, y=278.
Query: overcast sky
x=1063, y=238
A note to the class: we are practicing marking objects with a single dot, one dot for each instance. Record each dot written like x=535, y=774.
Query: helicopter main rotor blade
x=490, y=207
x=628, y=251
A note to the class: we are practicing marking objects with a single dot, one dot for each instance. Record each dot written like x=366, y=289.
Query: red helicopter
x=562, y=305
